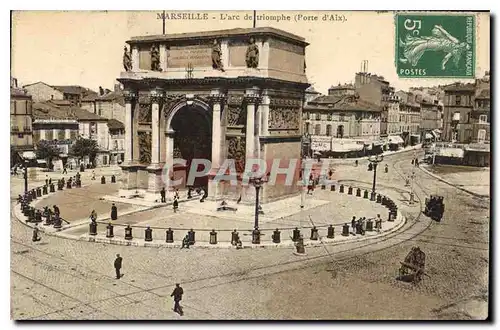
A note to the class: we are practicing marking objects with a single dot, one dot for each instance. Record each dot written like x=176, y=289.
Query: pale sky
x=85, y=48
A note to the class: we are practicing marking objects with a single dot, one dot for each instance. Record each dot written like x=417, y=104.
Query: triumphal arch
x=229, y=94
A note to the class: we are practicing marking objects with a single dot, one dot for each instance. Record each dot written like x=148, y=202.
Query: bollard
x=128, y=232
x=170, y=236
x=235, y=237
x=52, y=188
x=256, y=236
x=38, y=192
x=369, y=225
x=38, y=216
x=295, y=234
x=113, y=179
x=345, y=230
x=372, y=196
x=332, y=187
x=109, y=231
x=358, y=192
x=323, y=187
x=93, y=228
x=148, y=234
x=213, y=237
x=379, y=198
x=341, y=189
x=331, y=232
x=59, y=186
x=31, y=215
x=349, y=191
x=277, y=236
x=68, y=184
x=103, y=180
x=389, y=218
x=384, y=201
x=44, y=190
x=29, y=198
x=33, y=193
x=314, y=233
x=191, y=237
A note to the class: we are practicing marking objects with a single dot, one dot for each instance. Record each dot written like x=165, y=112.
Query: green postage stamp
x=435, y=45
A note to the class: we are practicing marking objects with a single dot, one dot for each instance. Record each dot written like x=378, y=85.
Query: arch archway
x=191, y=124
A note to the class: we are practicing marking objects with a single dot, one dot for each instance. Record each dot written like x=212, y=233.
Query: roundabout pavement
x=60, y=278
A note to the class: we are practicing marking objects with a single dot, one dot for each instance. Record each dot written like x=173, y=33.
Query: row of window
x=317, y=130
x=49, y=135
x=483, y=119
x=317, y=116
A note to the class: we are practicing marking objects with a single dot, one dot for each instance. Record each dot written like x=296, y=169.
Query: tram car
x=434, y=207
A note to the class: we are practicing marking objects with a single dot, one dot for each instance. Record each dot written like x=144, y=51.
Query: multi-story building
x=55, y=125
x=458, y=105
x=409, y=117
x=341, y=90
x=21, y=130
x=43, y=92
x=63, y=123
x=109, y=104
x=310, y=94
x=117, y=141
x=342, y=123
x=375, y=89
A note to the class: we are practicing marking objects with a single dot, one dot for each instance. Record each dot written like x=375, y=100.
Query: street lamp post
x=25, y=176
x=374, y=160
x=257, y=182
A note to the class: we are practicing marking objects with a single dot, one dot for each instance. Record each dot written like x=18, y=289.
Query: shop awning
x=481, y=147
x=395, y=139
x=378, y=143
x=346, y=147
x=28, y=155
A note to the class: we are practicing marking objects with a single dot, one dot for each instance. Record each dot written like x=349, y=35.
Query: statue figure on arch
x=252, y=55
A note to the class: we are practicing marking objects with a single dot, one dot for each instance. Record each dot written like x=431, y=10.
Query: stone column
x=135, y=58
x=129, y=125
x=264, y=105
x=129, y=171
x=156, y=95
x=155, y=180
x=163, y=57
x=216, y=98
x=251, y=100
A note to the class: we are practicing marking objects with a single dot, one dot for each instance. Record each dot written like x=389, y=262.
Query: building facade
x=110, y=104
x=21, y=115
x=117, y=142
x=467, y=112
x=375, y=89
x=342, y=124
x=409, y=117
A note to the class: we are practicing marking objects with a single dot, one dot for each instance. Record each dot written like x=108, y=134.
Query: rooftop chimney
x=118, y=87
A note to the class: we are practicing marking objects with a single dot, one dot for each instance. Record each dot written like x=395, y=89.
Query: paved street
x=67, y=279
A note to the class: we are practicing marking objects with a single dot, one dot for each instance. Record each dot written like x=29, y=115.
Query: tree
x=46, y=151
x=85, y=147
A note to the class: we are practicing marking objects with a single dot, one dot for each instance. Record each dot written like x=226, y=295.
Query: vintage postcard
x=250, y=165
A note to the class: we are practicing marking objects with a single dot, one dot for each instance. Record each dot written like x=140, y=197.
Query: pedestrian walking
x=50, y=181
x=114, y=212
x=177, y=294
x=65, y=170
x=386, y=168
x=162, y=194
x=176, y=193
x=176, y=205
x=118, y=266
x=93, y=175
x=93, y=216
x=46, y=180
x=356, y=163
x=378, y=223
x=353, y=225
x=36, y=230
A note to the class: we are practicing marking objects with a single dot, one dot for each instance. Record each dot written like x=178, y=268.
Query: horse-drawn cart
x=434, y=207
x=413, y=267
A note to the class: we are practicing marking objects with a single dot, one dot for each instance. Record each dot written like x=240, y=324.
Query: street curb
x=205, y=245
x=452, y=184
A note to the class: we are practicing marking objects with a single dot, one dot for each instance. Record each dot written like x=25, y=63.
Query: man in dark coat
x=176, y=205
x=118, y=266
x=114, y=212
x=177, y=294
x=162, y=193
x=353, y=225
x=57, y=212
